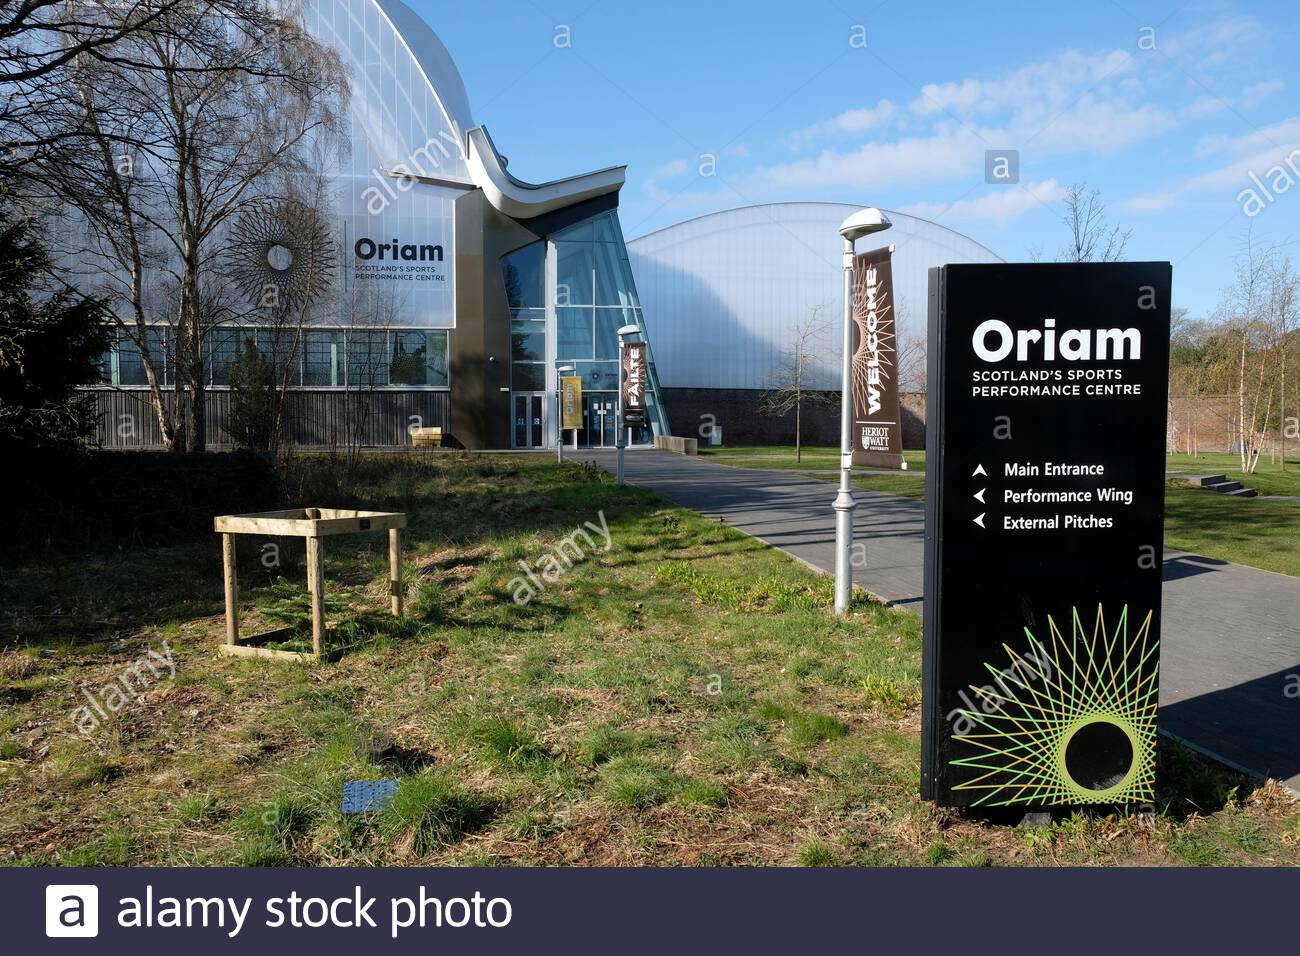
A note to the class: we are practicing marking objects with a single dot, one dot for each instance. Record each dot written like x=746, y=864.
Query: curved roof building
x=457, y=290
x=723, y=292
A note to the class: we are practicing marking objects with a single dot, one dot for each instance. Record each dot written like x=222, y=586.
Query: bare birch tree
x=226, y=98
x=1259, y=312
x=1093, y=237
x=790, y=391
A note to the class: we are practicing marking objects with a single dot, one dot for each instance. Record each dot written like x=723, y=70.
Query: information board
x=1045, y=479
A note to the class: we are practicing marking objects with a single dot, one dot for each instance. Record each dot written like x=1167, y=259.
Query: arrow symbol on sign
x=980, y=520
x=979, y=496
x=979, y=470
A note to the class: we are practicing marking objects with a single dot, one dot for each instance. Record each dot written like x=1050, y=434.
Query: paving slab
x=1230, y=641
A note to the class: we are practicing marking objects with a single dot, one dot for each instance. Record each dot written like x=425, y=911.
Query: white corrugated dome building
x=722, y=294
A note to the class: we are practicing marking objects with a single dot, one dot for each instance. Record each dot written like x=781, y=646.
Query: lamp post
x=560, y=372
x=620, y=436
x=861, y=223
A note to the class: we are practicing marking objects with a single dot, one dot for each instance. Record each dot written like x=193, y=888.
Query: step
x=1224, y=487
x=1241, y=493
x=1204, y=480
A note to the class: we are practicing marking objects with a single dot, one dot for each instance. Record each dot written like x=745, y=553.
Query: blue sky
x=1166, y=107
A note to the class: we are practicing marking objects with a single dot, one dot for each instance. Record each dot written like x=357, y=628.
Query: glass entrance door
x=598, y=413
x=528, y=412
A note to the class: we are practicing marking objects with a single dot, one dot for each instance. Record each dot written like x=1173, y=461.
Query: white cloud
x=1256, y=152
x=855, y=121
x=654, y=179
x=1204, y=106
x=1212, y=45
x=945, y=156
x=1040, y=89
x=1000, y=206
x=1256, y=93
x=1071, y=103
x=1250, y=97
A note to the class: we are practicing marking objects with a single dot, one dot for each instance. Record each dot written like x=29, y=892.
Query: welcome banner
x=877, y=427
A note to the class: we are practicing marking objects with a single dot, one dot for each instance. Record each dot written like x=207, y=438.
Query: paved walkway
x=1231, y=634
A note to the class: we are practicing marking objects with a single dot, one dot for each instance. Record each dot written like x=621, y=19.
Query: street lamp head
x=627, y=330
x=863, y=223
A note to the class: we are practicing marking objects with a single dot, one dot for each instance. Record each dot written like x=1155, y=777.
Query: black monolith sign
x=1045, y=473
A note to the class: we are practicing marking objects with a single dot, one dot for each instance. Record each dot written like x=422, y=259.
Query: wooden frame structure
x=313, y=524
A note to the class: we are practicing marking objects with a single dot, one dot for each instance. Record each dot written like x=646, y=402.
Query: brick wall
x=736, y=412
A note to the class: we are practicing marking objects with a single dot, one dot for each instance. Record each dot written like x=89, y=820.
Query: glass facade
x=392, y=225
x=405, y=116
x=595, y=295
x=322, y=358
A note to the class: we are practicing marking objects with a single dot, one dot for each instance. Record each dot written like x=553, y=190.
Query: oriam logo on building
x=994, y=340
x=394, y=251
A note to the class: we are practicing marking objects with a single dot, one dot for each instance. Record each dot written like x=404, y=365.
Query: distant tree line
x=1234, y=373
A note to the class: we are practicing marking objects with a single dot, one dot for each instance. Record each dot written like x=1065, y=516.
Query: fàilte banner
x=635, y=378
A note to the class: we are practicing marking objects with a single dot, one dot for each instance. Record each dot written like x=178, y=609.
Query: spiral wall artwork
x=283, y=254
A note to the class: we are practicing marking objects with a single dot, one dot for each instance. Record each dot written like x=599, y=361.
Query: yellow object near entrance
x=426, y=437
x=571, y=402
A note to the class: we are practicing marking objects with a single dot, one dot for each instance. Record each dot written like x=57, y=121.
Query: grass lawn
x=685, y=697
x=823, y=462
x=1261, y=534
x=814, y=458
x=1268, y=478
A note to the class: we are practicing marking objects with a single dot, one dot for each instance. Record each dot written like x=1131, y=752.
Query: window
x=224, y=346
x=130, y=364
x=282, y=346
x=527, y=341
x=598, y=376
x=323, y=358
x=419, y=358
x=614, y=283
x=524, y=273
x=528, y=376
x=595, y=296
x=125, y=366
x=367, y=359
x=574, y=268
x=573, y=335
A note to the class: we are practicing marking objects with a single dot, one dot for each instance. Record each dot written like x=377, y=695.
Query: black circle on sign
x=1098, y=756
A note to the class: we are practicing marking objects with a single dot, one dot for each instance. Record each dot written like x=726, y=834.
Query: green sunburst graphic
x=1067, y=724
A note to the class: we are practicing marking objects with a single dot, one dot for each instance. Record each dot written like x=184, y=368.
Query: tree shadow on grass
x=91, y=599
